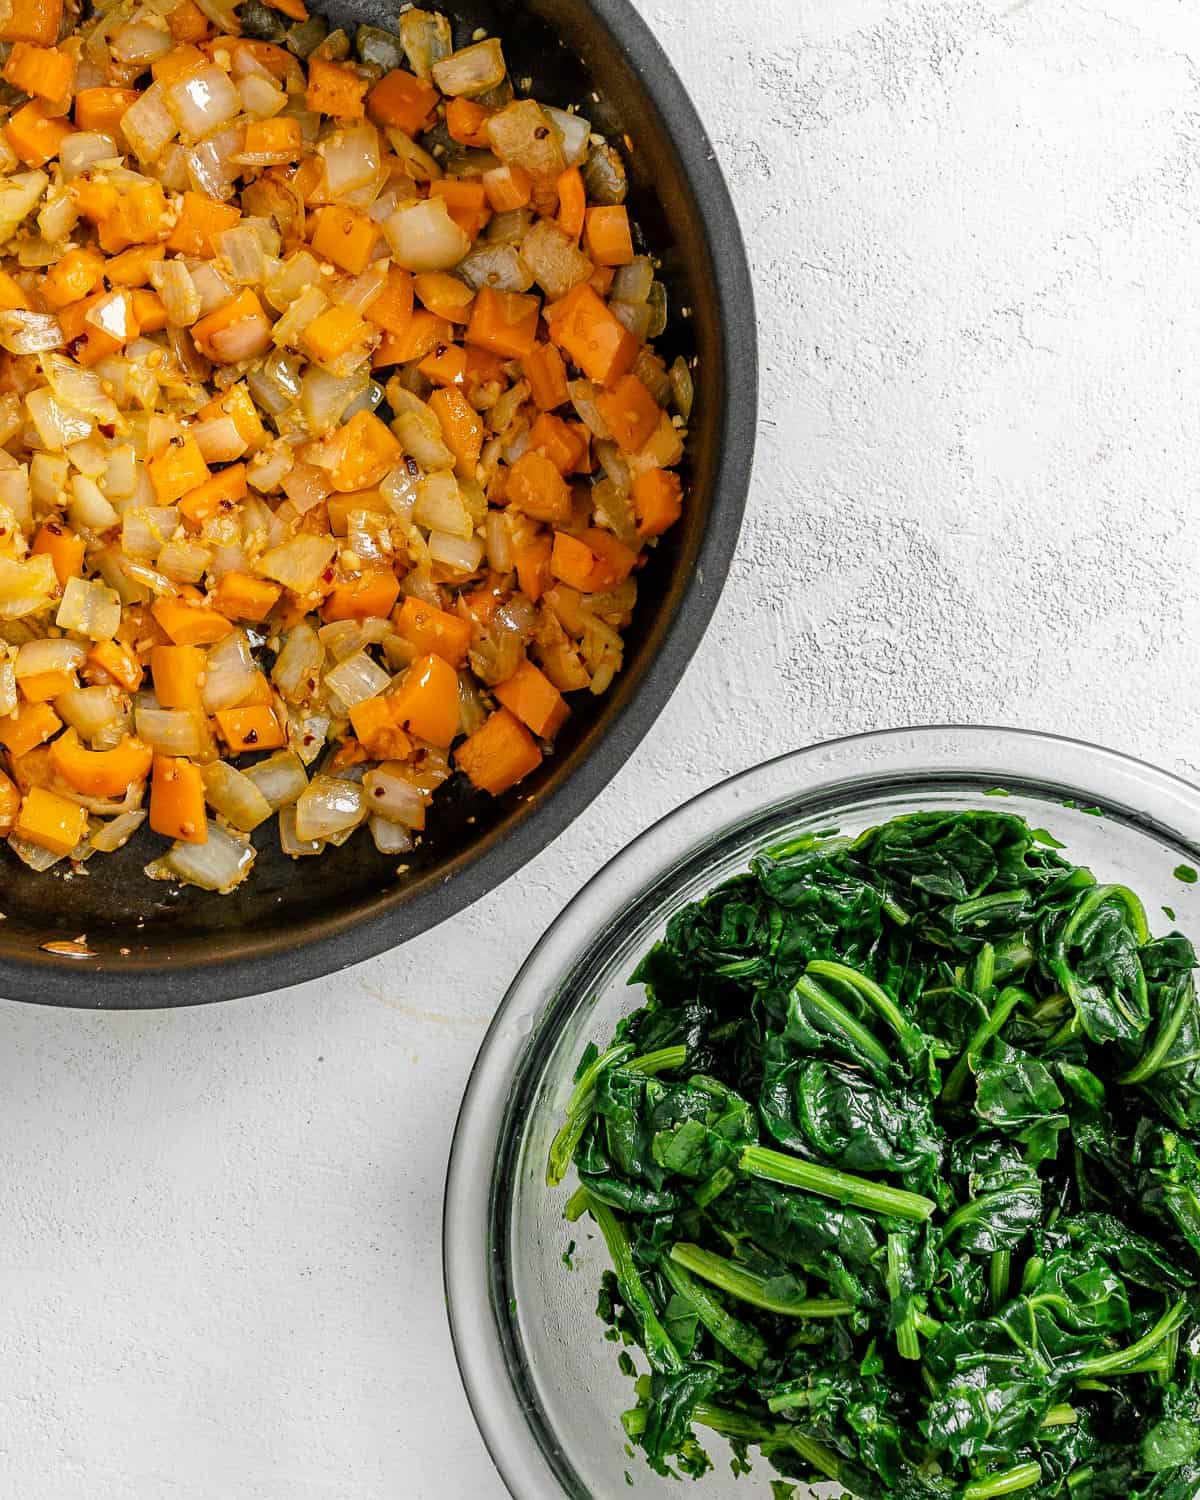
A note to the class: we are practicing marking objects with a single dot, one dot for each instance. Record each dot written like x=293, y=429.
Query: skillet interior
x=156, y=944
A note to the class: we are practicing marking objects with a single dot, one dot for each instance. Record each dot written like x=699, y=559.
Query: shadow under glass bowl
x=157, y=944
x=542, y=1381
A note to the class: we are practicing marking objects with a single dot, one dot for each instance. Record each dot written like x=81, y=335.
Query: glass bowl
x=541, y=1380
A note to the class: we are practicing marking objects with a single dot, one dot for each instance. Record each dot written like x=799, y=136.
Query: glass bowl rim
x=548, y=986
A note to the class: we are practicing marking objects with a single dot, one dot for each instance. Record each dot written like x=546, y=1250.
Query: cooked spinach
x=898, y=1170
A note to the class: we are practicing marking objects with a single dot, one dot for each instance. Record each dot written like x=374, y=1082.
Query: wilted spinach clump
x=899, y=1172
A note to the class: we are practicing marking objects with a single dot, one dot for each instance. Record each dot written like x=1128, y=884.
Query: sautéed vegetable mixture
x=331, y=433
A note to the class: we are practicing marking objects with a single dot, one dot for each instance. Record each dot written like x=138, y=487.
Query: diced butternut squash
x=179, y=468
x=214, y=495
x=466, y=202
x=63, y=547
x=392, y=310
x=252, y=728
x=607, y=240
x=102, y=108
x=346, y=237
x=445, y=296
x=379, y=736
x=657, y=500
x=333, y=332
x=558, y=441
x=239, y=596
x=178, y=673
x=537, y=489
x=35, y=136
x=462, y=428
x=547, y=376
x=188, y=624
x=31, y=725
x=532, y=563
x=430, y=630
x=369, y=596
x=533, y=698
x=238, y=403
x=572, y=561
x=465, y=121
x=505, y=323
x=368, y=451
x=500, y=753
x=33, y=21
x=177, y=800
x=401, y=100
x=593, y=336
x=572, y=203
x=631, y=413
x=41, y=687
x=335, y=90
x=10, y=805
x=426, y=701
x=50, y=821
x=199, y=219
x=45, y=72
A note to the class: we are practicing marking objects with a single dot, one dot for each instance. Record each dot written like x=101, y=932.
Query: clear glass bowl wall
x=543, y=1383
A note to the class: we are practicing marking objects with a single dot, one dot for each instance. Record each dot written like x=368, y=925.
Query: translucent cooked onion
x=233, y=796
x=498, y=542
x=352, y=159
x=88, y=508
x=202, y=101
x=298, y=564
x=171, y=731
x=324, y=398
x=242, y=251
x=230, y=673
x=245, y=339
x=440, y=507
x=497, y=266
x=636, y=316
x=329, y=806
x=29, y=332
x=219, y=864
x=356, y=679
x=281, y=778
x=523, y=135
x=260, y=97
x=296, y=672
x=454, y=552
x=116, y=834
x=84, y=149
x=683, y=388
x=554, y=260
x=38, y=859
x=8, y=686
x=140, y=42
x=471, y=70
x=219, y=440
x=390, y=838
x=89, y=608
x=26, y=587
x=51, y=655
x=420, y=432
x=79, y=389
x=19, y=195
x=424, y=237
x=574, y=133
x=632, y=283
x=389, y=794
x=145, y=530
x=88, y=710
x=148, y=124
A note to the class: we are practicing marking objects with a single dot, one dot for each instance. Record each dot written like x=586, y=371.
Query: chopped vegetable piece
x=100, y=773
x=177, y=800
x=253, y=728
x=50, y=821
x=500, y=753
x=533, y=698
x=426, y=701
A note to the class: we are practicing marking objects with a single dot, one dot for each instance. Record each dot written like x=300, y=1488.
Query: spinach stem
x=907, y=1344
x=1156, y=1053
x=1062, y=1415
x=579, y=1113
x=1019, y=1478
x=875, y=1197
x=998, y=1274
x=660, y=1351
x=837, y=1014
x=752, y=1289
x=742, y=1341
x=874, y=994
x=1007, y=1002
x=1120, y=1360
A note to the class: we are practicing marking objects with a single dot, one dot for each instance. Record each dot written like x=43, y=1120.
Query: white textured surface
x=974, y=227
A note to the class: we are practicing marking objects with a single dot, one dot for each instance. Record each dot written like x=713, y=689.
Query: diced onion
x=115, y=835
x=299, y=563
x=231, y=794
x=242, y=251
x=439, y=506
x=58, y=426
x=33, y=855
x=554, y=260
x=140, y=42
x=8, y=686
x=391, y=795
x=356, y=679
x=498, y=267
x=29, y=332
x=471, y=70
x=425, y=37
x=202, y=100
x=88, y=506
x=390, y=838
x=424, y=237
x=461, y=555
x=49, y=655
x=26, y=587
x=352, y=159
x=88, y=710
x=219, y=440
x=171, y=731
x=281, y=778
x=147, y=124
x=574, y=134
x=219, y=864
x=683, y=388
x=293, y=846
x=89, y=608
x=84, y=149
x=145, y=530
x=183, y=561
x=81, y=390
x=260, y=97
x=329, y=806
x=298, y=665
x=632, y=283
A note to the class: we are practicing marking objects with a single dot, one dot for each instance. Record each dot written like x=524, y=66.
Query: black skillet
x=156, y=944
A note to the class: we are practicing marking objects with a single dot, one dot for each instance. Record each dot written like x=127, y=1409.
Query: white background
x=975, y=229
